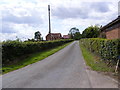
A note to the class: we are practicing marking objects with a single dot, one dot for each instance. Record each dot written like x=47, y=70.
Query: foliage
x=91, y=32
x=74, y=33
x=38, y=36
x=73, y=30
x=32, y=58
x=106, y=49
x=13, y=49
x=33, y=40
x=77, y=36
x=94, y=61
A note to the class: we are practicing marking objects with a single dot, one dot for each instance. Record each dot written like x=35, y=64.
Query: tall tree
x=37, y=36
x=73, y=30
x=74, y=33
x=91, y=32
x=77, y=36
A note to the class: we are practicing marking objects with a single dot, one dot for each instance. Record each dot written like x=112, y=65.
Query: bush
x=106, y=49
x=15, y=49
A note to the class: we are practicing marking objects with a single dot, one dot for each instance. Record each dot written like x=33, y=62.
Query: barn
x=53, y=36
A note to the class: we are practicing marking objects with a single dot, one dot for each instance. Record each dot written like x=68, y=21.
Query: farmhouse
x=53, y=36
x=112, y=29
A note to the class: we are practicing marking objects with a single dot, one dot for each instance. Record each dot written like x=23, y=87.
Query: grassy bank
x=31, y=59
x=94, y=62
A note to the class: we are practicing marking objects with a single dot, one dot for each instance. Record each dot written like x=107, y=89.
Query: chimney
x=49, y=19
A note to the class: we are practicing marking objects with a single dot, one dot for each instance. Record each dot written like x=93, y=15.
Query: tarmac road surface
x=64, y=69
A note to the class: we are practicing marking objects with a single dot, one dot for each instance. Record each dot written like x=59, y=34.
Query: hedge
x=106, y=49
x=14, y=49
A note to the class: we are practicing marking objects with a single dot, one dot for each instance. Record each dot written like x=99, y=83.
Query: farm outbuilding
x=112, y=29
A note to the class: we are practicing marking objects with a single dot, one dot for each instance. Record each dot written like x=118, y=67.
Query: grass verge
x=94, y=61
x=32, y=59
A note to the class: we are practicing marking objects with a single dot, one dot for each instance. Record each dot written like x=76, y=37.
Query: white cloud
x=23, y=17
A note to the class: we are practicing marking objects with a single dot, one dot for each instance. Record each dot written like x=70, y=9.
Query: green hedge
x=106, y=49
x=14, y=49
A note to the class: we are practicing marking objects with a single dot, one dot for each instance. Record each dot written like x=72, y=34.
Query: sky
x=22, y=18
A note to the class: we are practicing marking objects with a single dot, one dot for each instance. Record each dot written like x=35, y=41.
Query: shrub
x=106, y=49
x=15, y=49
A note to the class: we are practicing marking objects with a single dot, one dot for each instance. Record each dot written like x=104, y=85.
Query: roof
x=55, y=34
x=116, y=21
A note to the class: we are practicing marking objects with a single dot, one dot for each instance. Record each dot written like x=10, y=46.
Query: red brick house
x=112, y=29
x=66, y=36
x=53, y=36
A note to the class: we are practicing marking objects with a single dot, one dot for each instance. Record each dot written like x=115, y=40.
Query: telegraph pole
x=49, y=19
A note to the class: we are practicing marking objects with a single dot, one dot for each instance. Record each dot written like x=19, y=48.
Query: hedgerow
x=107, y=49
x=14, y=49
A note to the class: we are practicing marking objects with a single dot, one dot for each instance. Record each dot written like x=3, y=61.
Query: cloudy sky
x=21, y=18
